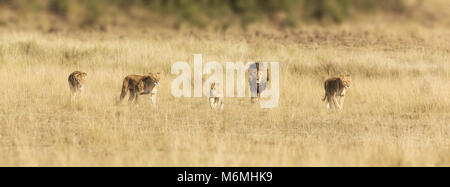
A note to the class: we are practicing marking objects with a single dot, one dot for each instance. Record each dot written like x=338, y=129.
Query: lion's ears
x=156, y=74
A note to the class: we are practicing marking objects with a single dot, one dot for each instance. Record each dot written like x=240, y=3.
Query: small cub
x=215, y=100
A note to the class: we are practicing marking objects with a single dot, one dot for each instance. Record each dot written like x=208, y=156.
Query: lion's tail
x=124, y=89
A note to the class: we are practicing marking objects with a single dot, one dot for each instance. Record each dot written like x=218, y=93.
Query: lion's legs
x=216, y=103
x=80, y=91
x=341, y=101
x=336, y=103
x=136, y=97
x=329, y=102
x=72, y=92
x=74, y=95
x=132, y=96
x=153, y=97
x=212, y=102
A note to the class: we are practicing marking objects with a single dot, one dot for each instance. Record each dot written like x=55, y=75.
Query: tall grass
x=396, y=113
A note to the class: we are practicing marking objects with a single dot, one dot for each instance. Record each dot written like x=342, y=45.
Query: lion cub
x=336, y=86
x=76, y=82
x=215, y=99
x=258, y=80
x=140, y=85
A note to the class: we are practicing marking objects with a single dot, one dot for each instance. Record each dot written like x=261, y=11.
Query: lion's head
x=155, y=77
x=80, y=76
x=149, y=83
x=346, y=80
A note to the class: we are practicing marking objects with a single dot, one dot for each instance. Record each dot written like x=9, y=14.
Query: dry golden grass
x=396, y=113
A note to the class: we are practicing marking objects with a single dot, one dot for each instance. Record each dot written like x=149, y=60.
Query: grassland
x=396, y=113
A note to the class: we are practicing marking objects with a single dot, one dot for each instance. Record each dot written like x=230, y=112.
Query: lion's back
x=336, y=84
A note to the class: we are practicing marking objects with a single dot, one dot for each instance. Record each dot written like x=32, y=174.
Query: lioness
x=76, y=82
x=336, y=86
x=215, y=99
x=140, y=85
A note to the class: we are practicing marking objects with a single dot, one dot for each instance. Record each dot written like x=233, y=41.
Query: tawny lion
x=336, y=86
x=76, y=82
x=140, y=85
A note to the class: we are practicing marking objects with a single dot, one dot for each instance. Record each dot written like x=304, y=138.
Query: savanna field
x=396, y=113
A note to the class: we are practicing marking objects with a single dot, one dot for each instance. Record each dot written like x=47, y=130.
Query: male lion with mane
x=336, y=86
x=140, y=85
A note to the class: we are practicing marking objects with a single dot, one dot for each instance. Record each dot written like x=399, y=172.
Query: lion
x=336, y=86
x=259, y=75
x=76, y=82
x=140, y=85
x=215, y=100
